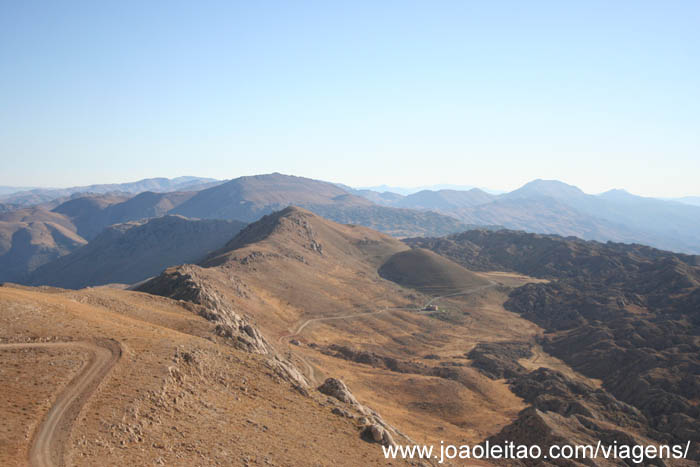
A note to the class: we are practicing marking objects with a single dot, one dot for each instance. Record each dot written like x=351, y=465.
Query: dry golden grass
x=218, y=406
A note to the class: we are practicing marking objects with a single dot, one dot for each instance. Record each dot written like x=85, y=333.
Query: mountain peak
x=551, y=188
x=289, y=219
x=617, y=194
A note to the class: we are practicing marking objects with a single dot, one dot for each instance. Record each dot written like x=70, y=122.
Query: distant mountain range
x=410, y=190
x=33, y=196
x=8, y=190
x=550, y=206
x=36, y=236
x=249, y=198
x=31, y=237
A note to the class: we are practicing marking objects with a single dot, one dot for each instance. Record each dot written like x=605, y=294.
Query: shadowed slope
x=428, y=272
x=128, y=253
x=91, y=214
x=32, y=237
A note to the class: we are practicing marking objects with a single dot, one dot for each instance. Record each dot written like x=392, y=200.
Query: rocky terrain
x=313, y=288
x=624, y=314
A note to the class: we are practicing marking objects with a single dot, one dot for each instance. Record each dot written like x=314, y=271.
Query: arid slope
x=177, y=382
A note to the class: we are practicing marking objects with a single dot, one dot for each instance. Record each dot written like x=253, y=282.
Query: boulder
x=336, y=388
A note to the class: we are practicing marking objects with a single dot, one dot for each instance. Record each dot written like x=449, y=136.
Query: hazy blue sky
x=598, y=94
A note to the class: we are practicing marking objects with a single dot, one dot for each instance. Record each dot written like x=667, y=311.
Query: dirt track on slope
x=420, y=310
x=52, y=435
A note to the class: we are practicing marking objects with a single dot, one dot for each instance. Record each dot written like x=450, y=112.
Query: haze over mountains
x=550, y=206
x=33, y=236
x=19, y=196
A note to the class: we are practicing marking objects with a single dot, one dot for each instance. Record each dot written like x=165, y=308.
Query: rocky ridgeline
x=291, y=224
x=187, y=284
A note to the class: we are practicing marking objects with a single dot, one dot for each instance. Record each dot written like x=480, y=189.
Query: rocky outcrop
x=500, y=359
x=336, y=388
x=372, y=427
x=191, y=285
x=562, y=411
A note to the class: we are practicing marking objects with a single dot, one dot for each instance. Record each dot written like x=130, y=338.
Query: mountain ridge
x=132, y=252
x=555, y=207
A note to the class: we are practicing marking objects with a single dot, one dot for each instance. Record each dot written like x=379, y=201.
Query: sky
x=597, y=94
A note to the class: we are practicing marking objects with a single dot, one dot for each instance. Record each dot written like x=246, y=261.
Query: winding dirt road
x=51, y=437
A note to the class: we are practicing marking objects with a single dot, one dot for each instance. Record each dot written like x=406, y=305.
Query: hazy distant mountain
x=249, y=198
x=445, y=200
x=410, y=190
x=131, y=252
x=546, y=188
x=8, y=190
x=91, y=214
x=5, y=207
x=32, y=237
x=44, y=195
x=663, y=224
x=384, y=198
x=692, y=200
x=551, y=206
